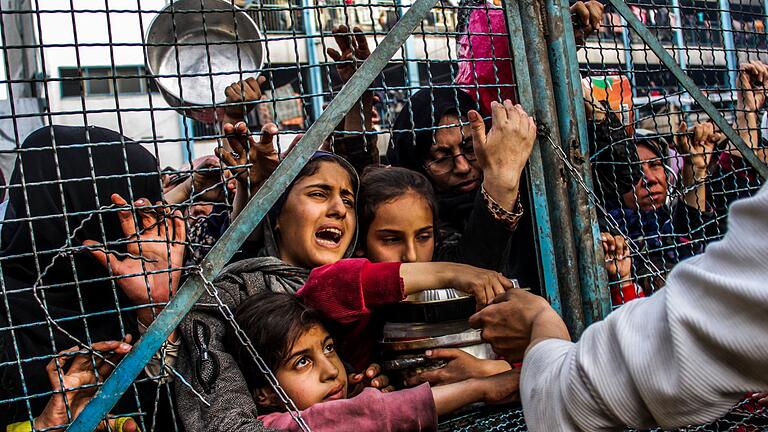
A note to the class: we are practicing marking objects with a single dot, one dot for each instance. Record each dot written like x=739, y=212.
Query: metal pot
x=196, y=48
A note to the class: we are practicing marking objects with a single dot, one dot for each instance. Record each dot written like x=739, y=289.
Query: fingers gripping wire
x=544, y=132
x=293, y=411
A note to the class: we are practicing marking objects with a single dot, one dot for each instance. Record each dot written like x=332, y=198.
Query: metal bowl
x=196, y=48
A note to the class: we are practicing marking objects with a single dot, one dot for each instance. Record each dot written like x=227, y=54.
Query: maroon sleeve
x=404, y=410
x=346, y=290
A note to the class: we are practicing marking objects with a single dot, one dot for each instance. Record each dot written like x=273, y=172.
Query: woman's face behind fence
x=317, y=223
x=650, y=192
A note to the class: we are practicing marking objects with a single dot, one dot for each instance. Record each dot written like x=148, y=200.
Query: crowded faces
x=476, y=176
x=302, y=355
x=313, y=223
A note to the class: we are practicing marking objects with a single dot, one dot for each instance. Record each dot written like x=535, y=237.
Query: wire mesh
x=666, y=192
x=91, y=66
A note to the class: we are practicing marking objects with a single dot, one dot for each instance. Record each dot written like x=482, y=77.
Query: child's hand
x=461, y=366
x=501, y=388
x=353, y=51
x=372, y=377
x=76, y=383
x=485, y=285
x=244, y=92
x=254, y=161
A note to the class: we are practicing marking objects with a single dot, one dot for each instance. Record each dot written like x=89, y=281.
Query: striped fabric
x=682, y=356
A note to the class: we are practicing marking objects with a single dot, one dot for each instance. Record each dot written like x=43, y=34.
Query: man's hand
x=372, y=377
x=243, y=93
x=586, y=19
x=157, y=263
x=354, y=50
x=515, y=320
x=76, y=383
x=250, y=161
x=503, y=152
x=461, y=366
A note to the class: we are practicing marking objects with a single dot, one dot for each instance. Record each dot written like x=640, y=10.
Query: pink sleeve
x=404, y=410
x=346, y=290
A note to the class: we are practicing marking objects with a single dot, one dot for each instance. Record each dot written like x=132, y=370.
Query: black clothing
x=60, y=191
x=468, y=232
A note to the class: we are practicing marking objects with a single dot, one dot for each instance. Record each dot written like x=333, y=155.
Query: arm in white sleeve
x=683, y=356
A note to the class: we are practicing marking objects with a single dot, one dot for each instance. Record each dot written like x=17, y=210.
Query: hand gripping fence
x=252, y=214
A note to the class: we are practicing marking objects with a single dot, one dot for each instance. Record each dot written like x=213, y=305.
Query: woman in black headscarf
x=471, y=232
x=60, y=195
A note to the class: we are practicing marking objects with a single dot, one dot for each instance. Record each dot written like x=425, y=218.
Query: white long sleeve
x=683, y=356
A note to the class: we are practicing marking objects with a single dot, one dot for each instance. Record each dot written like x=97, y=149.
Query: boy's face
x=313, y=372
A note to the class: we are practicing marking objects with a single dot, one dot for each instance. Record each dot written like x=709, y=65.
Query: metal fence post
x=566, y=254
x=539, y=203
x=130, y=367
x=726, y=28
x=315, y=77
x=566, y=81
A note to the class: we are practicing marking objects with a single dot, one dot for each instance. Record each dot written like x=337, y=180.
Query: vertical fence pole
x=411, y=67
x=544, y=238
x=726, y=28
x=572, y=122
x=315, y=76
x=555, y=175
x=677, y=23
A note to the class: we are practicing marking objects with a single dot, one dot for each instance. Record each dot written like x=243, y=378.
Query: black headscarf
x=59, y=182
x=413, y=135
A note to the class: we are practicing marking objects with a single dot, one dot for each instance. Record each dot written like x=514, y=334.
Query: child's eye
x=390, y=240
x=348, y=202
x=425, y=236
x=317, y=194
x=301, y=363
x=329, y=348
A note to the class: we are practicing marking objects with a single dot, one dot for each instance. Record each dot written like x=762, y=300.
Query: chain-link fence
x=119, y=200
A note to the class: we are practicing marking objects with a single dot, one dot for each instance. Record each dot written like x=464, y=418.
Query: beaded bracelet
x=509, y=218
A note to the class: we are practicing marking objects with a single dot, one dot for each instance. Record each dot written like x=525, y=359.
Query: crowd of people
x=93, y=248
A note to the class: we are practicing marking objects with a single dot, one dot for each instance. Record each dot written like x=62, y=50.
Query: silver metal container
x=196, y=48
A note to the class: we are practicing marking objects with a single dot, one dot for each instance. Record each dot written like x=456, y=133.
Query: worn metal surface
x=566, y=82
x=230, y=242
x=538, y=190
x=690, y=86
x=555, y=179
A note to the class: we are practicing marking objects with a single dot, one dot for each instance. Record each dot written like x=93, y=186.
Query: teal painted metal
x=693, y=90
x=726, y=25
x=413, y=78
x=127, y=371
x=572, y=122
x=554, y=175
x=678, y=34
x=545, y=243
x=315, y=77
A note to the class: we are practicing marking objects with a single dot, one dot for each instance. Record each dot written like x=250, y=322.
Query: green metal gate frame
x=566, y=228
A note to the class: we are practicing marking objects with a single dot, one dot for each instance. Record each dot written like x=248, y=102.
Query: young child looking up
x=295, y=343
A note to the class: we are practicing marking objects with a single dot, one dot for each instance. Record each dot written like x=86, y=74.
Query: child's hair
x=273, y=323
x=381, y=185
